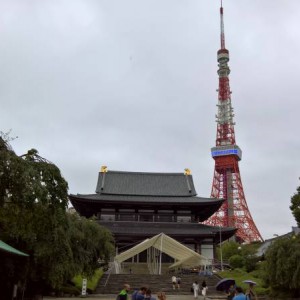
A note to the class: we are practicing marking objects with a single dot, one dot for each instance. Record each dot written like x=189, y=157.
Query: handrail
x=109, y=272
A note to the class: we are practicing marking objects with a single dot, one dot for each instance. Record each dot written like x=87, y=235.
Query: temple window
x=184, y=219
x=165, y=216
x=146, y=215
x=126, y=215
x=107, y=214
x=107, y=217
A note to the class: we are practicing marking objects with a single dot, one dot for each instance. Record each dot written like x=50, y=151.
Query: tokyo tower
x=227, y=182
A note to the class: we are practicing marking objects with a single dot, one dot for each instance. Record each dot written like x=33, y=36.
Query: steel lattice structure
x=227, y=182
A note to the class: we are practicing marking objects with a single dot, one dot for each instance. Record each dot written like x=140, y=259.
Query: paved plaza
x=113, y=297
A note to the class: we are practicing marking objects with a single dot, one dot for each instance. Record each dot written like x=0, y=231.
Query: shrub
x=91, y=283
x=251, y=263
x=70, y=290
x=236, y=261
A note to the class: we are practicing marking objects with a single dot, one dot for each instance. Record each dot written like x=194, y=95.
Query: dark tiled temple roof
x=150, y=184
x=169, y=191
x=146, y=199
x=88, y=205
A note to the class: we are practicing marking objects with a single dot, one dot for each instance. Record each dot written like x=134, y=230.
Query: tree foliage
x=229, y=249
x=89, y=243
x=283, y=265
x=295, y=206
x=33, y=218
x=236, y=261
x=239, y=255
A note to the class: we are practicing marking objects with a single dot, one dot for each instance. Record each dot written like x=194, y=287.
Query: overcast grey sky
x=132, y=85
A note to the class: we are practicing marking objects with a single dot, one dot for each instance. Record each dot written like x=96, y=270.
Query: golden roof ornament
x=104, y=169
x=187, y=171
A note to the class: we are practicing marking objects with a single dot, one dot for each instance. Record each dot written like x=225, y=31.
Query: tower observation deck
x=227, y=182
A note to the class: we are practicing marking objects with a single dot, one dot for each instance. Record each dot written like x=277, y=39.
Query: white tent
x=161, y=243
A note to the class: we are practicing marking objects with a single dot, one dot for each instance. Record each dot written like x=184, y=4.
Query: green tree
x=90, y=243
x=295, y=206
x=236, y=261
x=248, y=252
x=33, y=218
x=229, y=249
x=250, y=263
x=34, y=199
x=11, y=174
x=283, y=266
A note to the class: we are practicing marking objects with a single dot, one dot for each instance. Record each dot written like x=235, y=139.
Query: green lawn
x=240, y=275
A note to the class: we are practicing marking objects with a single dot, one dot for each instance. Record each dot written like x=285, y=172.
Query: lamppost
x=221, y=254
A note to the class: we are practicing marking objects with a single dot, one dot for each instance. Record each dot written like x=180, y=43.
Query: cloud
x=132, y=85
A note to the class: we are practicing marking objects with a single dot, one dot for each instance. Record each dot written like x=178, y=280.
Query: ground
x=113, y=297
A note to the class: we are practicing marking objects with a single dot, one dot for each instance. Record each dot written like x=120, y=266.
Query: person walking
x=204, y=288
x=178, y=281
x=161, y=296
x=139, y=294
x=123, y=295
x=174, y=281
x=231, y=292
x=239, y=294
x=148, y=295
x=250, y=293
x=196, y=288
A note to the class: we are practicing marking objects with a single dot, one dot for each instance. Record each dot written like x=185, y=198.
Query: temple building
x=136, y=206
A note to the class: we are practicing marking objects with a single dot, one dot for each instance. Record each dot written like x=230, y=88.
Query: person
x=139, y=294
x=250, y=293
x=239, y=294
x=203, y=288
x=178, y=281
x=174, y=280
x=148, y=295
x=161, y=296
x=195, y=288
x=230, y=292
x=123, y=295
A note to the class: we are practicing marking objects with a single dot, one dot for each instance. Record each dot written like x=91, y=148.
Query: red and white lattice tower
x=227, y=182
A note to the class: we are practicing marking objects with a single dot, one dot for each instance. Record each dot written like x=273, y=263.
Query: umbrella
x=224, y=284
x=250, y=282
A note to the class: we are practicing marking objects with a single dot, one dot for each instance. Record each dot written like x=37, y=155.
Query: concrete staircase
x=113, y=283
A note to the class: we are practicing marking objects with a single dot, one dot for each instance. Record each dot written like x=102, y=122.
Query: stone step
x=154, y=282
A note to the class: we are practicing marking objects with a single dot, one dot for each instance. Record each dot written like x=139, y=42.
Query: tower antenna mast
x=222, y=27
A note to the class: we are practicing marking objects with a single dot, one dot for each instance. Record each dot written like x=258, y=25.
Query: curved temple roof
x=169, y=191
x=88, y=205
x=145, y=184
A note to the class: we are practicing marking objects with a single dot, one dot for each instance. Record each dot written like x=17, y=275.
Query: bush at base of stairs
x=70, y=290
x=91, y=282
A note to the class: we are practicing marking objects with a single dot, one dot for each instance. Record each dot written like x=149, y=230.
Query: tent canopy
x=183, y=255
x=6, y=248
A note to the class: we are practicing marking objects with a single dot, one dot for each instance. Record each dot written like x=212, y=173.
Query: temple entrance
x=158, y=255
